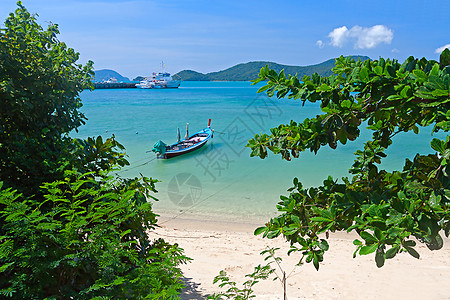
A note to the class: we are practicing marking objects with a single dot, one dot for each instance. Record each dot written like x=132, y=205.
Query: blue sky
x=133, y=37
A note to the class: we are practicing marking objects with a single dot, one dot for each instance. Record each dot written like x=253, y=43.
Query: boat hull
x=174, y=84
x=177, y=149
x=159, y=81
x=175, y=154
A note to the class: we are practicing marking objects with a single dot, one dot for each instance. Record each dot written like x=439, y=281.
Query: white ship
x=161, y=80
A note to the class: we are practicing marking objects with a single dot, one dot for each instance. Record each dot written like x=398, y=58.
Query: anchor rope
x=215, y=131
x=138, y=166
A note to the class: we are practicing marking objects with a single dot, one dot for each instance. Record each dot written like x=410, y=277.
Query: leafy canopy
x=40, y=83
x=385, y=208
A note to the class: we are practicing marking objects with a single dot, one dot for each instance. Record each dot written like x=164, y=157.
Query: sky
x=134, y=37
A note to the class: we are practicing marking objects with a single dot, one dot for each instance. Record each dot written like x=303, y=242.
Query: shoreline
x=218, y=245
x=197, y=223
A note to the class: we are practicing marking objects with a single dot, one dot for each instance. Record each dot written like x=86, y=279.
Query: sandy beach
x=230, y=246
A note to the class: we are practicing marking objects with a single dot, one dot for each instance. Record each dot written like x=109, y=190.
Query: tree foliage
x=68, y=229
x=91, y=240
x=40, y=83
x=386, y=209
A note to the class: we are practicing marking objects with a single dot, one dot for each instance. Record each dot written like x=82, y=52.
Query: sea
x=221, y=181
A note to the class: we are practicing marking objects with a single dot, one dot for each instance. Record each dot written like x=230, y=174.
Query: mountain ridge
x=106, y=74
x=250, y=70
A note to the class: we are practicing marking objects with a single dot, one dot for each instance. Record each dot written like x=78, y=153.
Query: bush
x=93, y=240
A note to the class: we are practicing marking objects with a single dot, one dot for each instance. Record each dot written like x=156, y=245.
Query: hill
x=105, y=74
x=249, y=71
x=189, y=75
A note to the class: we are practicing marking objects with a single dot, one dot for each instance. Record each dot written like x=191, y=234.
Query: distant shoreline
x=132, y=84
x=241, y=72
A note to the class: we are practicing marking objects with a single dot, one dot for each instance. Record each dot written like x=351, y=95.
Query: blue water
x=221, y=180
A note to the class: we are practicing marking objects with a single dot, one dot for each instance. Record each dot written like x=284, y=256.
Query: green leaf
x=368, y=237
x=413, y=252
x=368, y=249
x=273, y=234
x=421, y=75
x=295, y=219
x=357, y=242
x=379, y=258
x=406, y=92
x=320, y=219
x=409, y=243
x=444, y=59
x=436, y=243
x=324, y=88
x=5, y=266
x=323, y=245
x=392, y=252
x=438, y=145
x=364, y=75
x=440, y=93
x=263, y=88
x=378, y=70
x=435, y=70
x=346, y=103
x=316, y=262
x=260, y=230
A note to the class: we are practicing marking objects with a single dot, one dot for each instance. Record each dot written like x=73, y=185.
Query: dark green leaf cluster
x=39, y=86
x=389, y=96
x=385, y=208
x=87, y=238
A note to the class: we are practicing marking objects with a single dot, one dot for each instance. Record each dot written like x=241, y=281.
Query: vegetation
x=260, y=272
x=39, y=87
x=248, y=71
x=189, y=75
x=386, y=209
x=68, y=229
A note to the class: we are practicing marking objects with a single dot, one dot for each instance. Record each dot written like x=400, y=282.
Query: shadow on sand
x=191, y=291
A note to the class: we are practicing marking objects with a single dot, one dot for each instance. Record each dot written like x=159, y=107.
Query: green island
x=249, y=71
x=71, y=228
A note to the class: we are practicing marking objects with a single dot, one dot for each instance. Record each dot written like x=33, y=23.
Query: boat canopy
x=159, y=147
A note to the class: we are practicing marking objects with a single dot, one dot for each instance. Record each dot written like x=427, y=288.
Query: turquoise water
x=221, y=180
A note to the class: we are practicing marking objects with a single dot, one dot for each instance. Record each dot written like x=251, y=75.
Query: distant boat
x=110, y=80
x=189, y=144
x=161, y=80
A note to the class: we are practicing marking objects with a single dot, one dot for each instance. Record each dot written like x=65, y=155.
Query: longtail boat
x=188, y=144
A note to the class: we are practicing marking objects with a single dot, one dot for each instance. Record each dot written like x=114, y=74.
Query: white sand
x=232, y=247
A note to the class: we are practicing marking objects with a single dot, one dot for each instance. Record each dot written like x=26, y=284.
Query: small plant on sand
x=261, y=272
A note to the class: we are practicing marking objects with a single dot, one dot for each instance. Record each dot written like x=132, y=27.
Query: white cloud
x=339, y=36
x=395, y=50
x=440, y=49
x=320, y=44
x=362, y=37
